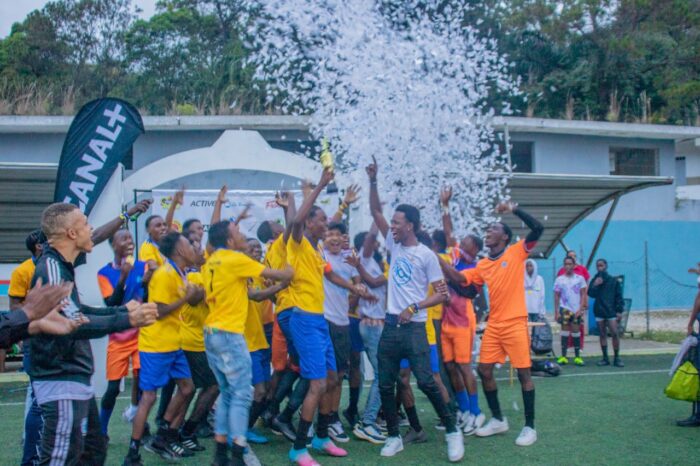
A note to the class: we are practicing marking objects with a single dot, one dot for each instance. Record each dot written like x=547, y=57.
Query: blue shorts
x=434, y=359
x=405, y=364
x=313, y=344
x=283, y=319
x=356, y=345
x=261, y=360
x=158, y=368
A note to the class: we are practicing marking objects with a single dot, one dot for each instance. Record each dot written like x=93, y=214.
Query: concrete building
x=665, y=218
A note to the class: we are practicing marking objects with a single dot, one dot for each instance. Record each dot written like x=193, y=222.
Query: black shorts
x=202, y=376
x=340, y=337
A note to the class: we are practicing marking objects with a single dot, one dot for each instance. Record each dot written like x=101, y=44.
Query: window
x=520, y=155
x=629, y=161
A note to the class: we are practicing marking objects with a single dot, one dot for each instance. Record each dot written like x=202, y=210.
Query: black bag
x=543, y=368
x=541, y=338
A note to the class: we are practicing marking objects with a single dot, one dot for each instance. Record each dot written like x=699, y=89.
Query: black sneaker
x=692, y=421
x=182, y=450
x=284, y=428
x=161, y=448
x=351, y=417
x=191, y=443
x=618, y=363
x=603, y=362
x=132, y=460
x=267, y=416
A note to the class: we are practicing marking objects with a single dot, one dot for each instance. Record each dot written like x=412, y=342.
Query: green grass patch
x=588, y=415
x=663, y=336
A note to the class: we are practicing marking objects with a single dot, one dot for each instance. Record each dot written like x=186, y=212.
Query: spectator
x=569, y=294
x=534, y=291
x=608, y=308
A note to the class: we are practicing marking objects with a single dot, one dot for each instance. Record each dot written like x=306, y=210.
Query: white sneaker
x=130, y=413
x=462, y=419
x=475, y=422
x=493, y=427
x=527, y=437
x=392, y=446
x=455, y=446
x=250, y=458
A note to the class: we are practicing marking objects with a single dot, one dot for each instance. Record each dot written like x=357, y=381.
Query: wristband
x=413, y=308
x=124, y=218
x=445, y=210
x=343, y=206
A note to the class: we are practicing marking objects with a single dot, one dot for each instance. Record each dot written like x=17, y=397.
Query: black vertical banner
x=101, y=134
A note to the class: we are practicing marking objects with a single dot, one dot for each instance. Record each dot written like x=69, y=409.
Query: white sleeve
x=432, y=267
x=389, y=242
x=584, y=285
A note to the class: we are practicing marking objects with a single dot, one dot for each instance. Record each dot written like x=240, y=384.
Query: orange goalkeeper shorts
x=279, y=348
x=457, y=343
x=508, y=338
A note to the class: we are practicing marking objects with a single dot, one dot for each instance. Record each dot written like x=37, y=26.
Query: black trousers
x=407, y=341
x=71, y=434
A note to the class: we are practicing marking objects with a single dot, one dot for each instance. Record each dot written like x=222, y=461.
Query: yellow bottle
x=326, y=155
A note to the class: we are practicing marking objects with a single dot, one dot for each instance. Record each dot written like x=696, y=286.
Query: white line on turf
x=500, y=379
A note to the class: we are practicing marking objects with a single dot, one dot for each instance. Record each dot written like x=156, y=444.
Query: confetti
x=405, y=81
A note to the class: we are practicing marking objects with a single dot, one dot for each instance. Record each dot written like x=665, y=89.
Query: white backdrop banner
x=199, y=204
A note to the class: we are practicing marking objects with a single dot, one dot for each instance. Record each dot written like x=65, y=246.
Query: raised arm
x=245, y=213
x=220, y=199
x=352, y=194
x=303, y=212
x=375, y=205
x=285, y=199
x=447, y=227
x=106, y=231
x=178, y=199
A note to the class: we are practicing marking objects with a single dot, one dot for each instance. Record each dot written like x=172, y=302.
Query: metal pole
x=602, y=232
x=646, y=282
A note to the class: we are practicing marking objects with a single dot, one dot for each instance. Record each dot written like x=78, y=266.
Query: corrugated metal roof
x=25, y=190
x=565, y=200
x=60, y=124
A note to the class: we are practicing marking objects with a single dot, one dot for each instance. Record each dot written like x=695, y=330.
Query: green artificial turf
x=589, y=415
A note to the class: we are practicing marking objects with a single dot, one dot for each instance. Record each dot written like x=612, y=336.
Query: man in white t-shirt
x=335, y=310
x=414, y=267
x=569, y=299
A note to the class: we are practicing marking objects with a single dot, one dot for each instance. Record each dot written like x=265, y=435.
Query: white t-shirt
x=569, y=289
x=335, y=302
x=366, y=308
x=412, y=270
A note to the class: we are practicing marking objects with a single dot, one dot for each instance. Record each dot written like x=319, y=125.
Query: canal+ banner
x=101, y=134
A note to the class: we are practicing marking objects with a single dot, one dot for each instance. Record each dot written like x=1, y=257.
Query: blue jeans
x=370, y=337
x=230, y=361
x=33, y=424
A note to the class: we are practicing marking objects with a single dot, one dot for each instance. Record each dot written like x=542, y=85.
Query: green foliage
x=616, y=60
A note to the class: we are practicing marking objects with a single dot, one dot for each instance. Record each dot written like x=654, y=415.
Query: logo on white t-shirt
x=403, y=271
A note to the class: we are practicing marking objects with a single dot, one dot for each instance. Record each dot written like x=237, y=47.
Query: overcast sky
x=16, y=11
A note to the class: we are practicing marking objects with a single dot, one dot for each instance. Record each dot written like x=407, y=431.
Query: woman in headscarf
x=534, y=290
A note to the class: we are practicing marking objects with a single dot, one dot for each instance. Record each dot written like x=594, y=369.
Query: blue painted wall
x=672, y=250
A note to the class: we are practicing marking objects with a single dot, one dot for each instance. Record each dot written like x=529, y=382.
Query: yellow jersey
x=149, y=252
x=192, y=317
x=21, y=279
x=276, y=258
x=166, y=287
x=254, y=332
x=226, y=275
x=306, y=289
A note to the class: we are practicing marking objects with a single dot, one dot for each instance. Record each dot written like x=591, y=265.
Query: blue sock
x=462, y=401
x=105, y=414
x=474, y=404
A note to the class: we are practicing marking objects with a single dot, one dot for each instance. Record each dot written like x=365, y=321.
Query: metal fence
x=649, y=285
